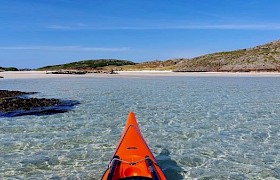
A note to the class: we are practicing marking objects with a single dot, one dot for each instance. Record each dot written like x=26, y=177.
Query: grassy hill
x=8, y=69
x=261, y=58
x=113, y=64
x=89, y=64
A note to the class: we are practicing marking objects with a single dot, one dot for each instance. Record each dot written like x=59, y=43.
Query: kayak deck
x=132, y=158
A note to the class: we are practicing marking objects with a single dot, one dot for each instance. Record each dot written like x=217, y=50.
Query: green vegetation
x=89, y=64
x=150, y=65
x=8, y=69
x=113, y=64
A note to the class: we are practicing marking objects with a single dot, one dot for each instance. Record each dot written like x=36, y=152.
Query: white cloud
x=268, y=26
x=236, y=26
x=64, y=48
x=68, y=27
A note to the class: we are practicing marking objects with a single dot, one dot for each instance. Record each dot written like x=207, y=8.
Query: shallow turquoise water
x=197, y=127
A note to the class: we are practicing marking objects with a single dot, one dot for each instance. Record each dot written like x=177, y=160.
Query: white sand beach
x=43, y=74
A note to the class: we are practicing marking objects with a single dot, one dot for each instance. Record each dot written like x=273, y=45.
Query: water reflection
x=170, y=168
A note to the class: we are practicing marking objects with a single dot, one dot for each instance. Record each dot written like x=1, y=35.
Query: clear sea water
x=197, y=127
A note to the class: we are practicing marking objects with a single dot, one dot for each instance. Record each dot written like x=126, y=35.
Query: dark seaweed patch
x=16, y=103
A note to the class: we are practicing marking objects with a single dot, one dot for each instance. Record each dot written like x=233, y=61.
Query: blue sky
x=36, y=33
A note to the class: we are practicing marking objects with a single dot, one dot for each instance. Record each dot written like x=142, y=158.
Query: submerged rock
x=16, y=103
x=10, y=94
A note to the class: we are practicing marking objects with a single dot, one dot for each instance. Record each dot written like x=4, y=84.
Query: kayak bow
x=132, y=158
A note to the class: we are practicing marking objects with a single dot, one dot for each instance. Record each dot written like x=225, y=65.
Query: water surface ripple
x=197, y=127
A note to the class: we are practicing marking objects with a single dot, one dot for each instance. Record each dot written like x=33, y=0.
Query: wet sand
x=42, y=74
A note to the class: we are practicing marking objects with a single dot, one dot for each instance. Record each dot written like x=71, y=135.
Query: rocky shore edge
x=18, y=103
x=81, y=72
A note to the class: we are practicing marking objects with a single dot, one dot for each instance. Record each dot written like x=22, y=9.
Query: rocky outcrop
x=260, y=58
x=67, y=72
x=4, y=94
x=17, y=103
x=82, y=72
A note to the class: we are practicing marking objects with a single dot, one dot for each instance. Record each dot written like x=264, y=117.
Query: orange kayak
x=132, y=158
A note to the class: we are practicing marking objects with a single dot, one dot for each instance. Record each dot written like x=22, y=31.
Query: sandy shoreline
x=42, y=74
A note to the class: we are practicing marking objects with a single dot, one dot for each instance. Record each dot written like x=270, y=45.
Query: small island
x=104, y=66
x=108, y=66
